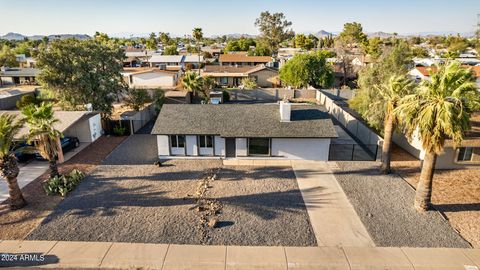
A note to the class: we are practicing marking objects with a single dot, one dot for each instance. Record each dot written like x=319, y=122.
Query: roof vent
x=285, y=111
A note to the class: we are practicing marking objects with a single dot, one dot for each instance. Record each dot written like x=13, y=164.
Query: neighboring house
x=150, y=78
x=242, y=59
x=423, y=73
x=177, y=97
x=214, y=51
x=9, y=96
x=467, y=155
x=167, y=61
x=230, y=76
x=18, y=75
x=261, y=131
x=25, y=62
x=191, y=61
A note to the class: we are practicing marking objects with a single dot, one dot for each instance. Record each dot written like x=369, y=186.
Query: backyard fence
x=352, y=152
x=132, y=121
x=269, y=94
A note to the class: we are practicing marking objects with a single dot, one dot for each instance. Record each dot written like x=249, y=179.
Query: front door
x=230, y=147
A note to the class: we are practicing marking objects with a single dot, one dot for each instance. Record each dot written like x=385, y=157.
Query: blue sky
x=219, y=17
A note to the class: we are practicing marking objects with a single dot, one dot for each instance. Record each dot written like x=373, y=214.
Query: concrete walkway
x=333, y=218
x=32, y=170
x=81, y=255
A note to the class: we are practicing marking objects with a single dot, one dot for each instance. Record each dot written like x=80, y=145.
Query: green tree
x=303, y=42
x=373, y=47
x=261, y=49
x=28, y=100
x=393, y=61
x=164, y=38
x=82, y=72
x=192, y=82
x=135, y=99
x=307, y=69
x=151, y=42
x=102, y=38
x=419, y=52
x=9, y=128
x=249, y=83
x=353, y=33
x=7, y=57
x=390, y=93
x=439, y=111
x=170, y=50
x=274, y=29
x=197, y=35
x=41, y=122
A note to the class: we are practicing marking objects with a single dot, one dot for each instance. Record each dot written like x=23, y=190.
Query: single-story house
x=10, y=95
x=18, y=75
x=242, y=59
x=150, y=78
x=467, y=155
x=423, y=73
x=157, y=60
x=242, y=131
x=231, y=76
x=191, y=61
x=177, y=97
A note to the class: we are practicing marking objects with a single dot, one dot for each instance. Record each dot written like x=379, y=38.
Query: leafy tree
x=102, y=38
x=41, y=122
x=197, y=35
x=393, y=61
x=390, y=93
x=151, y=42
x=439, y=111
x=274, y=29
x=261, y=49
x=249, y=83
x=419, y=52
x=170, y=50
x=158, y=99
x=303, y=42
x=7, y=57
x=192, y=82
x=24, y=48
x=9, y=128
x=307, y=69
x=353, y=33
x=82, y=72
x=28, y=100
x=242, y=44
x=164, y=38
x=135, y=99
x=373, y=47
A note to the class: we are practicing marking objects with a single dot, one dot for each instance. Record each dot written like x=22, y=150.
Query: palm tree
x=41, y=122
x=198, y=35
x=391, y=92
x=439, y=111
x=191, y=82
x=9, y=170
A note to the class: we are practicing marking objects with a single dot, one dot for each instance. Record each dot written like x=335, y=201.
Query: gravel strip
x=384, y=203
x=137, y=149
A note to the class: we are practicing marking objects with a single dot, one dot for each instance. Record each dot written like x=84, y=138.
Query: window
x=206, y=141
x=177, y=141
x=258, y=146
x=465, y=153
x=223, y=80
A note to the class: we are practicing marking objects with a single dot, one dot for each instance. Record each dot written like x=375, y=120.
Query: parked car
x=68, y=143
x=24, y=151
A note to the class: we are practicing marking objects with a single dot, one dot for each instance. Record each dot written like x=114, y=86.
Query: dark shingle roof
x=20, y=72
x=241, y=120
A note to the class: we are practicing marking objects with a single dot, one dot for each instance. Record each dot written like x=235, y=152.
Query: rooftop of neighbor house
x=244, y=120
x=176, y=93
x=66, y=119
x=141, y=70
x=426, y=70
x=214, y=70
x=19, y=72
x=6, y=92
x=238, y=57
x=192, y=58
x=157, y=58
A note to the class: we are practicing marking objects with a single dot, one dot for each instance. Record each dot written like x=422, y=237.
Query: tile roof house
x=18, y=75
x=281, y=131
x=150, y=77
x=231, y=76
x=423, y=73
x=242, y=59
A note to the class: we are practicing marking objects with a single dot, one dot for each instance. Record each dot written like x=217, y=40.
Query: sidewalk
x=161, y=256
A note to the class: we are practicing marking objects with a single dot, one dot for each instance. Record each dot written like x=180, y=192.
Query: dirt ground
x=456, y=193
x=16, y=225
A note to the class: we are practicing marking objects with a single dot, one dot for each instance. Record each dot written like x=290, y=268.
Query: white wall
x=162, y=144
x=191, y=144
x=206, y=151
x=219, y=146
x=152, y=79
x=308, y=149
x=95, y=124
x=86, y=130
x=241, y=147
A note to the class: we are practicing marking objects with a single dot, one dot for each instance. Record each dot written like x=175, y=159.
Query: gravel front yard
x=385, y=206
x=16, y=225
x=150, y=204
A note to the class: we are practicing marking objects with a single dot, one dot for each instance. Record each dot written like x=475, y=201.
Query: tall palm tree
x=9, y=127
x=391, y=92
x=43, y=134
x=439, y=111
x=198, y=36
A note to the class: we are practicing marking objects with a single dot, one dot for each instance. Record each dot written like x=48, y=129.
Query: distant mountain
x=17, y=36
x=380, y=34
x=322, y=33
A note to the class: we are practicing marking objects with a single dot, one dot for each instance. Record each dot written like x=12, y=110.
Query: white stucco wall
x=205, y=151
x=86, y=130
x=152, y=79
x=308, y=149
x=241, y=147
x=191, y=144
x=162, y=144
x=95, y=123
x=219, y=146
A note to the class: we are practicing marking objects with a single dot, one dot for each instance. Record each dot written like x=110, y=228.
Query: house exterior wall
x=308, y=149
x=219, y=146
x=241, y=147
x=152, y=80
x=86, y=130
x=263, y=76
x=191, y=144
x=448, y=160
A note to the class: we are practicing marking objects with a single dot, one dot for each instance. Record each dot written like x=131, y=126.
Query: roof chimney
x=285, y=111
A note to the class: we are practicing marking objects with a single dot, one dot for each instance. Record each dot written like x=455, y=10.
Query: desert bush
x=62, y=185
